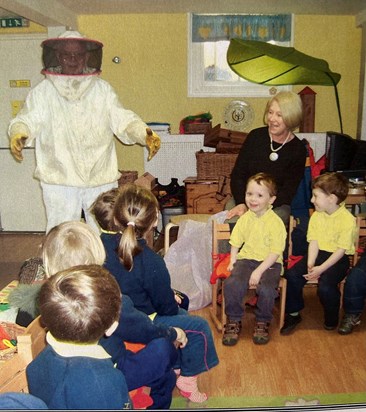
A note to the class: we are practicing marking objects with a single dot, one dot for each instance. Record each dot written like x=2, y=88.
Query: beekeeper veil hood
x=67, y=49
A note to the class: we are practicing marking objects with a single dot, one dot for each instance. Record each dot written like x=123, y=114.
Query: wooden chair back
x=12, y=371
x=360, y=238
x=220, y=231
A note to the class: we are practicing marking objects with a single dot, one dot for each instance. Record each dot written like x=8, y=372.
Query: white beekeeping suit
x=73, y=115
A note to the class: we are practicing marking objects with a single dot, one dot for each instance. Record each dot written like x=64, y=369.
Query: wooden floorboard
x=309, y=361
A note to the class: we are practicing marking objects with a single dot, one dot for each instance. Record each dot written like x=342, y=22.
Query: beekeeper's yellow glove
x=152, y=142
x=17, y=142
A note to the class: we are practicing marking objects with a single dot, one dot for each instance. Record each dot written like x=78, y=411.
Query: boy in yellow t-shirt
x=257, y=243
x=331, y=236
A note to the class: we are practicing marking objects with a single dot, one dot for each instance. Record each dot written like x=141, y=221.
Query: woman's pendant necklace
x=274, y=156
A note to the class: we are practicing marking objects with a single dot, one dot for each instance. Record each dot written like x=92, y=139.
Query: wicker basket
x=212, y=165
x=13, y=330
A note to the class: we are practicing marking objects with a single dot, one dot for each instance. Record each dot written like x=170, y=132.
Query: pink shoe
x=188, y=388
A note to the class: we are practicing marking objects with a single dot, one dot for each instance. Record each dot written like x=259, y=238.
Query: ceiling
x=65, y=12
x=350, y=7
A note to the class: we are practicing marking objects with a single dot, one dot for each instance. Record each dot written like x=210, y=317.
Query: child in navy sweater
x=78, y=306
x=143, y=276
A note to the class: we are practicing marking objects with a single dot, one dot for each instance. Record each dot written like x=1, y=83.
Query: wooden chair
x=12, y=372
x=360, y=238
x=221, y=232
x=176, y=220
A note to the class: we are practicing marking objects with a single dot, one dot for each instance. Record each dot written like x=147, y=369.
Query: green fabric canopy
x=271, y=65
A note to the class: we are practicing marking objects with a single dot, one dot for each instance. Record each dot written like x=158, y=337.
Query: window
x=209, y=75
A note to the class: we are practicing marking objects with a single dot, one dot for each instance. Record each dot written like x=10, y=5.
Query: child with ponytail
x=143, y=276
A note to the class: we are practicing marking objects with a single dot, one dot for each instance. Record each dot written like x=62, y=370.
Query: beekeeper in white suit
x=73, y=116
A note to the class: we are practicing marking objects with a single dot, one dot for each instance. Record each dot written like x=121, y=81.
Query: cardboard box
x=146, y=180
x=127, y=176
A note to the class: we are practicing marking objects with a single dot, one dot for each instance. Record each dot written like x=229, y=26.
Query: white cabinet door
x=21, y=205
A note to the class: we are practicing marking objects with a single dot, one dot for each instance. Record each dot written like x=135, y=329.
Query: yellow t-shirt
x=334, y=231
x=260, y=235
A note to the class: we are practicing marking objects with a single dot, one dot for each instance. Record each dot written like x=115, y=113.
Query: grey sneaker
x=261, y=333
x=231, y=333
x=349, y=321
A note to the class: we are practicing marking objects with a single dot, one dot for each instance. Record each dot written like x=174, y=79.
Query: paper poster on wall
x=19, y=83
x=16, y=105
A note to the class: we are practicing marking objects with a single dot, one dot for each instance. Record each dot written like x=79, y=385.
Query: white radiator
x=176, y=157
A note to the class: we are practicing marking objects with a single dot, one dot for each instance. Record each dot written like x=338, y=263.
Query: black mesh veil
x=50, y=47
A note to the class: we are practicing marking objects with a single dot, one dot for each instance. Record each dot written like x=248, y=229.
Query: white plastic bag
x=189, y=260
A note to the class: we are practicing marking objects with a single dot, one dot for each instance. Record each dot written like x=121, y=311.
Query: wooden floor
x=310, y=361
x=15, y=248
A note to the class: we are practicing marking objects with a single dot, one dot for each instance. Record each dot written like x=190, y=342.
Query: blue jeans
x=152, y=366
x=199, y=355
x=328, y=290
x=355, y=288
x=237, y=284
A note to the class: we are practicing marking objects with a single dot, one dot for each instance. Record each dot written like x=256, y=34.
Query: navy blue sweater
x=78, y=382
x=148, y=283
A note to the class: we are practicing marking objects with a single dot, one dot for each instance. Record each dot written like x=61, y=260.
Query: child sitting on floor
x=78, y=306
x=102, y=209
x=143, y=276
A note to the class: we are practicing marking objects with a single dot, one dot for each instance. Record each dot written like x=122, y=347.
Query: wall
x=338, y=41
x=152, y=76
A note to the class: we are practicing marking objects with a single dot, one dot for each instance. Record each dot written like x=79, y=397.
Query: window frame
x=198, y=87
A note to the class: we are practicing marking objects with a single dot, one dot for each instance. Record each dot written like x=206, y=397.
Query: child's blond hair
x=70, y=244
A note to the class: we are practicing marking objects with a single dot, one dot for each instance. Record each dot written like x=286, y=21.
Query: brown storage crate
x=223, y=147
x=212, y=165
x=127, y=176
x=217, y=134
x=196, y=127
x=202, y=198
